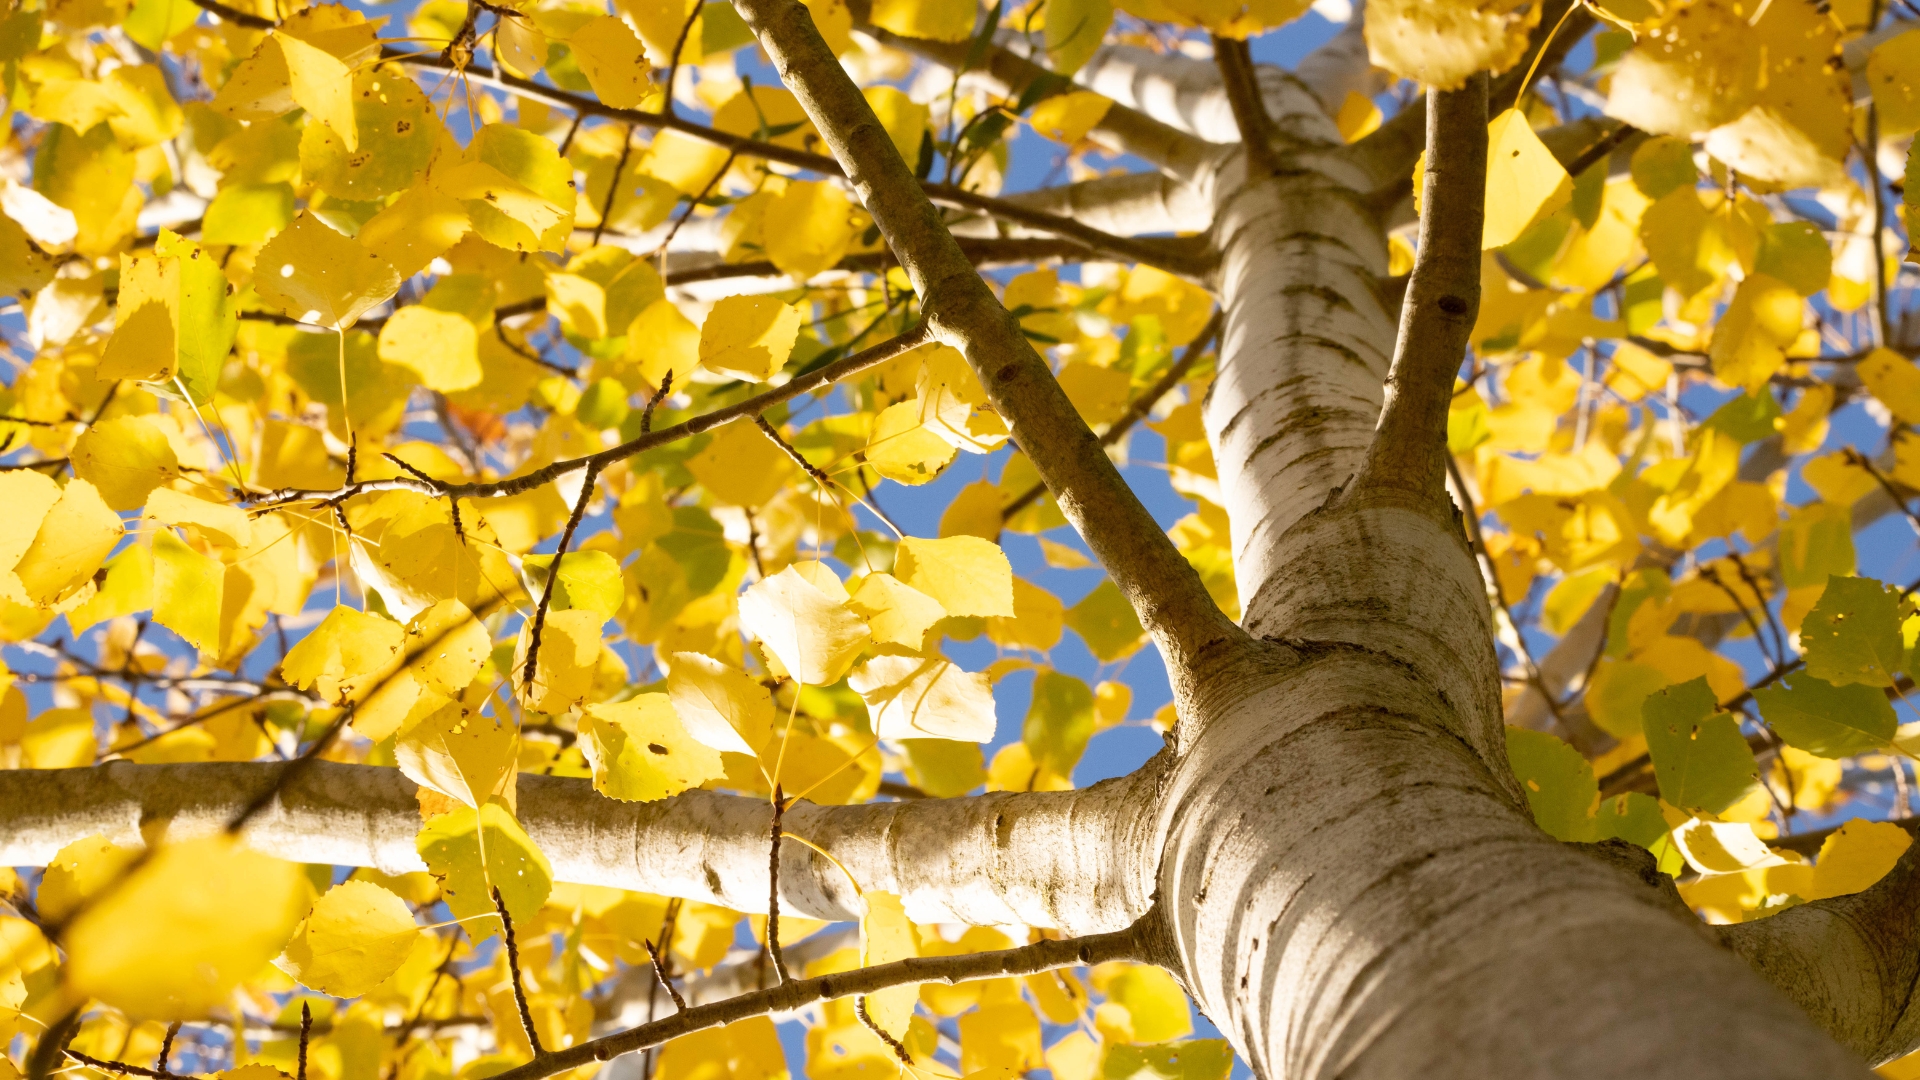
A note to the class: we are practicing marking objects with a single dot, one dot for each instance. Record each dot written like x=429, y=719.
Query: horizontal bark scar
x=1345, y=352
x=1330, y=296
x=1302, y=421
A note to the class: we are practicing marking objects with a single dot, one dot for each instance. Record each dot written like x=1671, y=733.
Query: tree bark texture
x=1352, y=884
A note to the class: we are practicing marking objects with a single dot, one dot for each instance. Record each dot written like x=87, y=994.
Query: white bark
x=1059, y=859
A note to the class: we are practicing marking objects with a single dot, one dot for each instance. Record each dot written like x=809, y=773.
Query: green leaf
x=1853, y=633
x=588, y=579
x=1747, y=418
x=451, y=845
x=1700, y=759
x=1059, y=721
x=208, y=322
x=1107, y=622
x=1637, y=819
x=1796, y=252
x=1828, y=720
x=1559, y=782
x=1189, y=1059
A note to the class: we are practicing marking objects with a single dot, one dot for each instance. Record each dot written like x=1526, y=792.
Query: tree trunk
x=1351, y=883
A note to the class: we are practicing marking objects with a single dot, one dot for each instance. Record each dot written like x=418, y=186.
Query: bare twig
x=1132, y=943
x=306, y=1032
x=885, y=1036
x=553, y=575
x=666, y=387
x=773, y=898
x=1242, y=85
x=660, y=973
x=798, y=385
x=513, y=973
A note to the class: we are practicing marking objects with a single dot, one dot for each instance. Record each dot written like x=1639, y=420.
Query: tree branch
x=960, y=309
x=1389, y=152
x=1409, y=448
x=1141, y=406
x=1852, y=962
x=1078, y=860
x=753, y=406
x=1136, y=942
x=1250, y=117
x=1123, y=129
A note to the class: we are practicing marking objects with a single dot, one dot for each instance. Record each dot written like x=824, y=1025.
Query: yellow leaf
x=898, y=614
x=321, y=85
x=1750, y=341
x=808, y=227
x=687, y=164
x=1154, y=1002
x=318, y=276
x=125, y=458
x=741, y=466
x=748, y=337
x=569, y=656
x=1893, y=74
x=812, y=635
x=904, y=450
x=662, y=340
x=1066, y=118
x=473, y=852
x=1442, y=42
x=1038, y=620
x=440, y=347
x=1524, y=180
x=1695, y=67
x=186, y=591
x=357, y=935
x=1099, y=394
x=1860, y=854
x=613, y=60
x=943, y=768
x=659, y=23
x=458, y=753
x=146, y=321
x=522, y=47
x=885, y=936
x=175, y=938
x=414, y=229
x=975, y=511
x=1074, y=31
x=1634, y=372
x=904, y=119
x=221, y=523
x=1000, y=1035
x=721, y=706
x=79, y=872
x=640, y=751
x=446, y=646
x=1358, y=117
x=1895, y=381
x=342, y=657
x=964, y=574
x=72, y=541
x=940, y=20
x=912, y=697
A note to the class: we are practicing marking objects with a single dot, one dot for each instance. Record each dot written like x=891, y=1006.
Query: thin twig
x=773, y=886
x=513, y=972
x=673, y=62
x=660, y=973
x=666, y=387
x=553, y=575
x=306, y=1031
x=1131, y=943
x=613, y=186
x=166, y=1048
x=798, y=385
x=1141, y=406
x=893, y=1044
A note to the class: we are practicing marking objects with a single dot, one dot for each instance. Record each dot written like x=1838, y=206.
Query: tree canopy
x=452, y=439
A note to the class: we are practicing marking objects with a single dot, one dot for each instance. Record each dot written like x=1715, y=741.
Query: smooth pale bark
x=1353, y=883
x=1027, y=858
